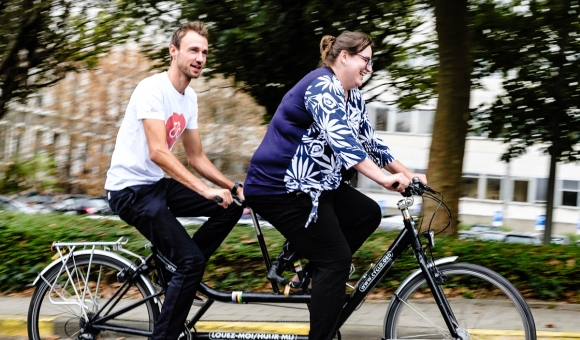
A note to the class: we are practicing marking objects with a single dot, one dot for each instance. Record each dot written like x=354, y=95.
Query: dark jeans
x=346, y=218
x=153, y=209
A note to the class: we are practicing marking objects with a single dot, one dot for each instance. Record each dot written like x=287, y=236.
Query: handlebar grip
x=396, y=185
x=218, y=199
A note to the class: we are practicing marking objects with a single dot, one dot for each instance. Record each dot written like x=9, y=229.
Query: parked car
x=9, y=204
x=483, y=227
x=560, y=239
x=83, y=205
x=393, y=222
x=522, y=237
x=492, y=235
x=476, y=230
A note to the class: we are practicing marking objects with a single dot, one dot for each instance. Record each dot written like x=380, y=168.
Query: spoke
x=442, y=331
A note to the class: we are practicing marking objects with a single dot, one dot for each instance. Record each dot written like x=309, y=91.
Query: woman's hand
x=421, y=177
x=396, y=178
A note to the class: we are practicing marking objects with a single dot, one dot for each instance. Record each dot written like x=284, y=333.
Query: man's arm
x=162, y=156
x=198, y=160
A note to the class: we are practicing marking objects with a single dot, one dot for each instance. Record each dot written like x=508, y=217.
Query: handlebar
x=415, y=188
x=236, y=198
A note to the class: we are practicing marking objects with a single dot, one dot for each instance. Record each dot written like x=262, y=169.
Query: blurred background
x=481, y=95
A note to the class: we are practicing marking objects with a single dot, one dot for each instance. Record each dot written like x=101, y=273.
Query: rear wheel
x=485, y=304
x=65, y=298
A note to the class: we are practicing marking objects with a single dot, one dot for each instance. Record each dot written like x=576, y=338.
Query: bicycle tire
x=475, y=293
x=50, y=319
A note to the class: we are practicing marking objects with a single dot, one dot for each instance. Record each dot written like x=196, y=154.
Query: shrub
x=548, y=272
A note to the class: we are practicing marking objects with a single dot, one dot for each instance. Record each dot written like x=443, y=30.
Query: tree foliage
x=268, y=46
x=40, y=41
x=536, y=46
x=538, y=51
x=35, y=173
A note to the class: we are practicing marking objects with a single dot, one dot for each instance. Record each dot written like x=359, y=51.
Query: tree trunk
x=550, y=200
x=452, y=113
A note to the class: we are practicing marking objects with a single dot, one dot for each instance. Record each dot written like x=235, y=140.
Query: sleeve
x=324, y=100
x=192, y=109
x=148, y=101
x=378, y=151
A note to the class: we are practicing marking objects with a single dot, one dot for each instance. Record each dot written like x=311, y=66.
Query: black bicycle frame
x=408, y=238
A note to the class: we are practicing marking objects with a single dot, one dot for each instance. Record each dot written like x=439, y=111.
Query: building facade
x=491, y=187
x=76, y=121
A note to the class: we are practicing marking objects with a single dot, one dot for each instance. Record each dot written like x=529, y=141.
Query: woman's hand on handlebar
x=421, y=177
x=401, y=182
x=240, y=194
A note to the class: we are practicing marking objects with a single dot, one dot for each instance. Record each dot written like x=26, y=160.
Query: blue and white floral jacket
x=314, y=133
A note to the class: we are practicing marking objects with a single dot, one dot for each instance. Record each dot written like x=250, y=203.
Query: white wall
x=483, y=157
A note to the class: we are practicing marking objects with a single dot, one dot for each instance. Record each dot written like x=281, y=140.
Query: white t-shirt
x=154, y=98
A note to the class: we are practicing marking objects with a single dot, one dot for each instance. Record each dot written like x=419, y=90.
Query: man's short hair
x=196, y=26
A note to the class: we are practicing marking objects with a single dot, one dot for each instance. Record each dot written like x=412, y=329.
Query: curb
x=15, y=325
x=297, y=328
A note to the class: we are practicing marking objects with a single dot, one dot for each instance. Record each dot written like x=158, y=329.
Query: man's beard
x=186, y=71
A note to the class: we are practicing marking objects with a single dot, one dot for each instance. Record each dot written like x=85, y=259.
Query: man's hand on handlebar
x=238, y=198
x=222, y=197
x=396, y=182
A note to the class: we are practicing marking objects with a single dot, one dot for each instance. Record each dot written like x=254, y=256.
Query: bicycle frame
x=408, y=238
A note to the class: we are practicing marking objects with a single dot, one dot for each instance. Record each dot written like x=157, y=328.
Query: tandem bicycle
x=94, y=291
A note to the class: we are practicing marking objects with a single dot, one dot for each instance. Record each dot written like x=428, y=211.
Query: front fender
x=124, y=260
x=418, y=271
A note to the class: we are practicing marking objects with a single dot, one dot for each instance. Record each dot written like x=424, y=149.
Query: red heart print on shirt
x=174, y=128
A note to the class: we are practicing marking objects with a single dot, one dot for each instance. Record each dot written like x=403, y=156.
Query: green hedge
x=540, y=272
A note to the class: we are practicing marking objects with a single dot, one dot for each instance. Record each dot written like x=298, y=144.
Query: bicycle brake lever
x=238, y=201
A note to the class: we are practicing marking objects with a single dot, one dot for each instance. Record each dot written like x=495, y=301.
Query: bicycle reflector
x=430, y=236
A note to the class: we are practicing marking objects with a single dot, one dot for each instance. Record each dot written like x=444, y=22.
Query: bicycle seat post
x=263, y=247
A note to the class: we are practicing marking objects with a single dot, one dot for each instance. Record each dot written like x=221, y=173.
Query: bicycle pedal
x=197, y=301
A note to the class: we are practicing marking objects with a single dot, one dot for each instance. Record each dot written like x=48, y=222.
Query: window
x=382, y=118
x=403, y=121
x=541, y=189
x=520, y=191
x=39, y=142
x=492, y=191
x=425, y=124
x=470, y=184
x=3, y=139
x=570, y=193
x=17, y=142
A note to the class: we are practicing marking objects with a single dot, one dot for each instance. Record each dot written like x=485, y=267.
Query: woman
x=294, y=181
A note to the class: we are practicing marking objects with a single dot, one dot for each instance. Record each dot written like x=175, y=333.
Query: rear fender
x=124, y=260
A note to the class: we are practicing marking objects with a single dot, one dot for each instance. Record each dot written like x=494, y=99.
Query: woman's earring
x=344, y=62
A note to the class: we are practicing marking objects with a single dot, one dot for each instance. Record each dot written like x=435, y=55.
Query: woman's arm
x=398, y=167
x=372, y=171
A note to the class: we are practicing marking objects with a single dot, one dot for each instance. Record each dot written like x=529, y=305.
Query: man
x=163, y=108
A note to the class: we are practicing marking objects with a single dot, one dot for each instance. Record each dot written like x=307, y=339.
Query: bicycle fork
x=433, y=277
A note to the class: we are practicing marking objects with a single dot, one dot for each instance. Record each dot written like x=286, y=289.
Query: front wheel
x=69, y=298
x=485, y=304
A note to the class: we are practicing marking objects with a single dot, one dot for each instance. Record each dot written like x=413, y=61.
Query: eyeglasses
x=368, y=60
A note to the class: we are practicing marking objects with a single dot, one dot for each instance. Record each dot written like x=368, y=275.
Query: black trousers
x=346, y=218
x=153, y=209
